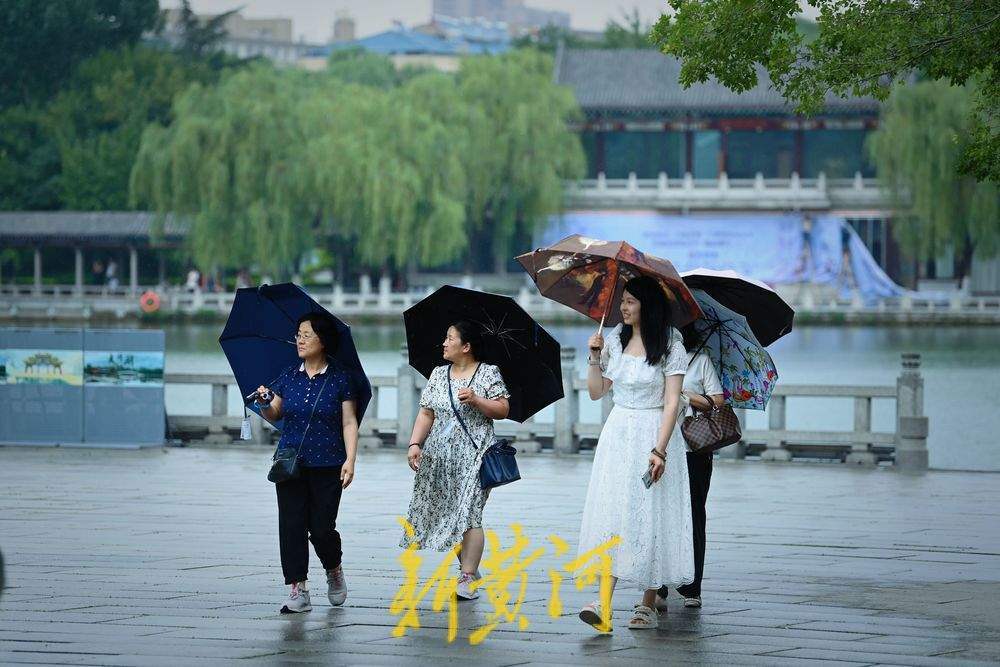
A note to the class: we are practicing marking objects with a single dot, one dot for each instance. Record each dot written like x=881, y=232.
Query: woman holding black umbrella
x=318, y=404
x=448, y=500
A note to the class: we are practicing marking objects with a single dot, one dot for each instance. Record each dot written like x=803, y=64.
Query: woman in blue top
x=318, y=405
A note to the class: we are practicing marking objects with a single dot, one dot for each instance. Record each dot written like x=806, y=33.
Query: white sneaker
x=336, y=587
x=465, y=590
x=297, y=602
x=693, y=602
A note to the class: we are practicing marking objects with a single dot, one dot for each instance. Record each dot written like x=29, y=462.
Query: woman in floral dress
x=448, y=501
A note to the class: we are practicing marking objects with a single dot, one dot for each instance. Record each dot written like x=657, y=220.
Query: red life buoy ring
x=149, y=302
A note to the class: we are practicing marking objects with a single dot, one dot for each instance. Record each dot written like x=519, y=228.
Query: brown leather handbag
x=708, y=430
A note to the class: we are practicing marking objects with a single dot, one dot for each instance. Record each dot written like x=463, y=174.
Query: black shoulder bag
x=499, y=466
x=285, y=462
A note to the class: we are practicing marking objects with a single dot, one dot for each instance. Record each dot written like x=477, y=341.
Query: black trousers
x=699, y=479
x=307, y=511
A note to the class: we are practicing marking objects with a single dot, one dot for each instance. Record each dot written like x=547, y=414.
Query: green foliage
x=862, y=48
x=630, y=33
x=923, y=132
x=200, y=39
x=355, y=65
x=269, y=161
x=98, y=120
x=42, y=42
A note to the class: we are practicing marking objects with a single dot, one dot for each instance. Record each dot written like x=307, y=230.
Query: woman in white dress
x=643, y=365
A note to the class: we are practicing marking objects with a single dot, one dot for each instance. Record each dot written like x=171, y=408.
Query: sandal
x=591, y=615
x=643, y=618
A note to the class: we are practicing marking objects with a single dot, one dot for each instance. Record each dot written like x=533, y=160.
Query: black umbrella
x=527, y=356
x=768, y=315
x=259, y=339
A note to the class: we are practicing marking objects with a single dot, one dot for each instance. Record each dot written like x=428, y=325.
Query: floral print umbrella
x=745, y=368
x=589, y=276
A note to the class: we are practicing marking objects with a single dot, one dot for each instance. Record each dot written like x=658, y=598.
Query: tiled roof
x=645, y=81
x=84, y=226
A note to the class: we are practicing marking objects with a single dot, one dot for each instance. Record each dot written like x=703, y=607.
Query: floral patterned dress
x=447, y=498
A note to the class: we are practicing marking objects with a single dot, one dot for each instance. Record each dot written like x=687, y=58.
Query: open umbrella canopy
x=259, y=339
x=747, y=373
x=525, y=353
x=766, y=312
x=589, y=276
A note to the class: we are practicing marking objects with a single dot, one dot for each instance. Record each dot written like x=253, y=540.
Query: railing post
x=367, y=438
x=911, y=424
x=220, y=406
x=407, y=399
x=776, y=422
x=567, y=410
x=861, y=449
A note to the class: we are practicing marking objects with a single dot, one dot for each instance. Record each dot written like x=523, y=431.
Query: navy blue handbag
x=499, y=466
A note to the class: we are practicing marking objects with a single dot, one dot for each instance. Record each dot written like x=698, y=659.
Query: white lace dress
x=654, y=524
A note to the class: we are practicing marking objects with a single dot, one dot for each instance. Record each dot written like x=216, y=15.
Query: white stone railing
x=568, y=434
x=758, y=193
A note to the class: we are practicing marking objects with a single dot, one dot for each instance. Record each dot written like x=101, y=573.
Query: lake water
x=960, y=365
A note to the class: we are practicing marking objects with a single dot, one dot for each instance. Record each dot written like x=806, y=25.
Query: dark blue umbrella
x=259, y=339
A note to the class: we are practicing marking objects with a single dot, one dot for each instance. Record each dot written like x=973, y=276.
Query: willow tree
x=383, y=175
x=517, y=150
x=225, y=162
x=270, y=163
x=923, y=132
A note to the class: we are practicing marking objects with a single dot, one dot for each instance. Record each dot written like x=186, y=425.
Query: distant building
x=344, y=28
x=518, y=17
x=440, y=44
x=246, y=37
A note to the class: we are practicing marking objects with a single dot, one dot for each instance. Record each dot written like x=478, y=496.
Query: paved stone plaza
x=170, y=557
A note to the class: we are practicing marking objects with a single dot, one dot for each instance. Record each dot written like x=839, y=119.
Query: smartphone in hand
x=647, y=479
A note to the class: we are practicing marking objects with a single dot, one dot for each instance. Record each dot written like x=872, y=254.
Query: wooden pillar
x=38, y=270
x=78, y=275
x=724, y=150
x=797, y=161
x=688, y=151
x=602, y=163
x=133, y=270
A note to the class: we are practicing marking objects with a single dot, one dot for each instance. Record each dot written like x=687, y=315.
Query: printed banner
x=37, y=366
x=129, y=369
x=774, y=248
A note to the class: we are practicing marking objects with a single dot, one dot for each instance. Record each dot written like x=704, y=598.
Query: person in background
x=700, y=380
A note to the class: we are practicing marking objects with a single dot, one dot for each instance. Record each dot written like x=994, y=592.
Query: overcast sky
x=313, y=19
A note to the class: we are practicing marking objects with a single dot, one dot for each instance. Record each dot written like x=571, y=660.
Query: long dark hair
x=654, y=318
x=325, y=329
x=692, y=339
x=471, y=333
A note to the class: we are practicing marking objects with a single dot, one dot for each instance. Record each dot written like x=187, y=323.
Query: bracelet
x=416, y=444
x=591, y=362
x=662, y=456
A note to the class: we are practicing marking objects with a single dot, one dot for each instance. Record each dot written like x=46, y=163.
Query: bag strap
x=313, y=412
x=711, y=404
x=451, y=399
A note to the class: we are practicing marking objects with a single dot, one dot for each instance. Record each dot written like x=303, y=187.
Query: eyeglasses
x=304, y=336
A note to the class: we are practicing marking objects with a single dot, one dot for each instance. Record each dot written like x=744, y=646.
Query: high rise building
x=344, y=27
